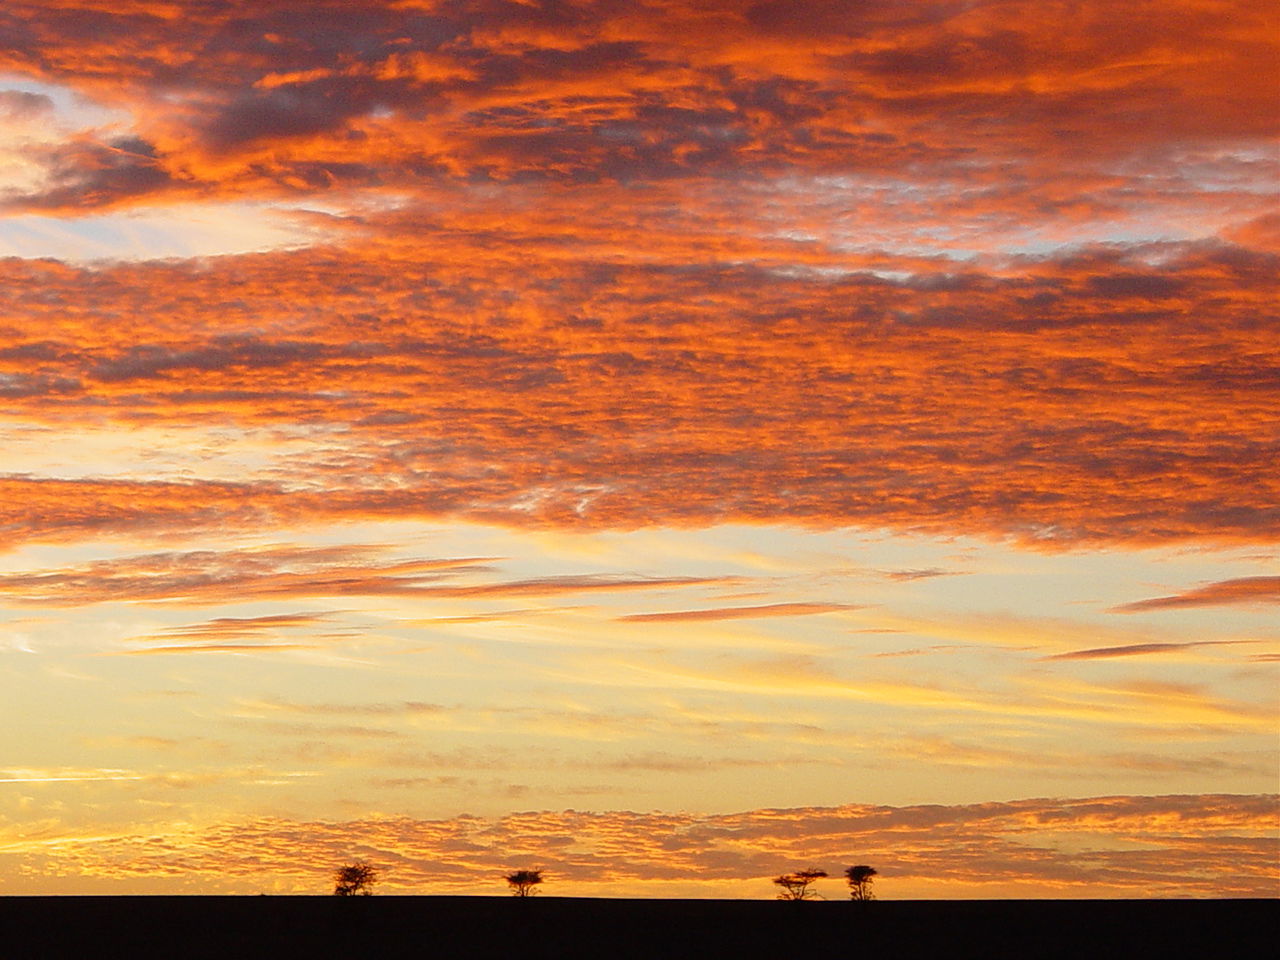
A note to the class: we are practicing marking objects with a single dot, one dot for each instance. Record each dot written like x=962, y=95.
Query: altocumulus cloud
x=1208, y=845
x=638, y=388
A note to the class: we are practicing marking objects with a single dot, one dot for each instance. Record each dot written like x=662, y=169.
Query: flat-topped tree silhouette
x=522, y=882
x=795, y=886
x=859, y=880
x=354, y=880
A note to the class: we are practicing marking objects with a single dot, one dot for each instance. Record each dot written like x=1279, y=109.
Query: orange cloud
x=986, y=268
x=1209, y=845
x=205, y=576
x=1140, y=649
x=1056, y=401
x=1243, y=590
x=268, y=100
x=234, y=648
x=684, y=264
x=906, y=576
x=229, y=628
x=200, y=577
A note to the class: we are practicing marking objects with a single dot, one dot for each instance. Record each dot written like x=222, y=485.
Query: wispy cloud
x=1242, y=590
x=901, y=576
x=553, y=586
x=286, y=572
x=203, y=576
x=239, y=649
x=738, y=613
x=917, y=651
x=235, y=628
x=1141, y=649
x=518, y=615
x=65, y=775
x=1133, y=704
x=168, y=778
x=401, y=708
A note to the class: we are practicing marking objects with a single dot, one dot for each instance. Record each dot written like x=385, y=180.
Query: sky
x=664, y=443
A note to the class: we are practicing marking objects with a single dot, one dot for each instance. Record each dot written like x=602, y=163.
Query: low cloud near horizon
x=1117, y=846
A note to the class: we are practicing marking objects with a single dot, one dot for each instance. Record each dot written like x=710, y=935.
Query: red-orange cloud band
x=287, y=98
x=1098, y=396
x=1210, y=845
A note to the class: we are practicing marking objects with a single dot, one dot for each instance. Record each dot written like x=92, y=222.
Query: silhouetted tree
x=859, y=880
x=354, y=880
x=522, y=882
x=795, y=886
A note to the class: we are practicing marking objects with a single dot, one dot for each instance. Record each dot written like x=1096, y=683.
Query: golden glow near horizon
x=666, y=444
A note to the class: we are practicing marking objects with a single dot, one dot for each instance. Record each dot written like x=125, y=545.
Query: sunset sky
x=664, y=442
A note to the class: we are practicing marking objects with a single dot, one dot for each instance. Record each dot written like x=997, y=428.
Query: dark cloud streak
x=1240, y=591
x=1140, y=649
x=198, y=578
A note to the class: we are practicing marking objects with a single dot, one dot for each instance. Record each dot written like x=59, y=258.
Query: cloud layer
x=1088, y=398
x=284, y=97
x=963, y=270
x=1209, y=845
x=204, y=577
x=990, y=268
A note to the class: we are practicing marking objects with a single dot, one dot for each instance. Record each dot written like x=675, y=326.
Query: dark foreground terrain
x=367, y=928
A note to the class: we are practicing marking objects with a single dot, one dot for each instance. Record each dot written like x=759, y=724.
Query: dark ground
x=368, y=928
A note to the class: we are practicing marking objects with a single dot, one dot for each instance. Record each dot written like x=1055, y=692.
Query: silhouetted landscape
x=400, y=926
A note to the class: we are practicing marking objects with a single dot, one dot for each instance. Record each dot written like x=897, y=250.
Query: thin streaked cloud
x=738, y=613
x=1141, y=649
x=1242, y=590
x=280, y=573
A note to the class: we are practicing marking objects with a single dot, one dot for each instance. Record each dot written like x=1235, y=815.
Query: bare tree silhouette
x=522, y=882
x=354, y=880
x=859, y=880
x=795, y=886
